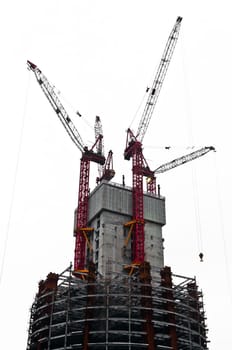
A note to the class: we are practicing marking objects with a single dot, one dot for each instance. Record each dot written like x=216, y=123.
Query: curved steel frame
x=113, y=313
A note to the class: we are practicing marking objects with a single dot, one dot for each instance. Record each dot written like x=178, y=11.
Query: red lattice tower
x=134, y=150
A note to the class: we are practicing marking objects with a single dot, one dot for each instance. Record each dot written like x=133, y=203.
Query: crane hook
x=201, y=257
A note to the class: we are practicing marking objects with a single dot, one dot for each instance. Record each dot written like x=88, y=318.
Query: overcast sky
x=101, y=55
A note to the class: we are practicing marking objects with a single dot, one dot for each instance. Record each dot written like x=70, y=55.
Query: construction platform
x=118, y=312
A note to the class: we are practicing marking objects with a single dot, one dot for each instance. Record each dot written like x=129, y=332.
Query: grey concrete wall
x=110, y=207
x=118, y=199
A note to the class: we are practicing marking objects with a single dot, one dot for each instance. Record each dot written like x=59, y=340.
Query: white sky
x=102, y=55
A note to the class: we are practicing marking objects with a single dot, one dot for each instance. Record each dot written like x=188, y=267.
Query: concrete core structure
x=110, y=208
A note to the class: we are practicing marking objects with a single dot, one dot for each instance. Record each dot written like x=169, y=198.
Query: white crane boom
x=184, y=159
x=56, y=104
x=158, y=81
x=98, y=130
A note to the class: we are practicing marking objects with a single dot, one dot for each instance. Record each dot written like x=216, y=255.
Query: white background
x=102, y=55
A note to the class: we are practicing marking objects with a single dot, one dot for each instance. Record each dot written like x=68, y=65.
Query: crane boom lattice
x=56, y=104
x=184, y=159
x=154, y=91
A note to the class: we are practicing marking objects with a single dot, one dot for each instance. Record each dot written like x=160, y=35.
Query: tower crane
x=106, y=171
x=161, y=169
x=94, y=154
x=134, y=150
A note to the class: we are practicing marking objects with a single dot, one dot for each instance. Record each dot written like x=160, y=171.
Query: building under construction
x=118, y=294
x=111, y=306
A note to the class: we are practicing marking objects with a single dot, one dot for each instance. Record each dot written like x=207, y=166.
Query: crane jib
x=158, y=80
x=184, y=159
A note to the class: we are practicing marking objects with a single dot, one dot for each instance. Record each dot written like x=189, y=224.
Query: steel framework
x=122, y=312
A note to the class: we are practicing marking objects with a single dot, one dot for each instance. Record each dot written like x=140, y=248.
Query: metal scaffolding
x=121, y=312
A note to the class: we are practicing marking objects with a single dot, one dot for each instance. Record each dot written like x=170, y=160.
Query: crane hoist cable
x=180, y=161
x=12, y=196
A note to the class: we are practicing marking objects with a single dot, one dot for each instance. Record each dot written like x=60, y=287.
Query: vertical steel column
x=67, y=318
x=48, y=288
x=91, y=278
x=166, y=282
x=146, y=303
x=197, y=322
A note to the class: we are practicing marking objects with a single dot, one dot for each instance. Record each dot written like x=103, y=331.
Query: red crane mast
x=134, y=149
x=81, y=228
